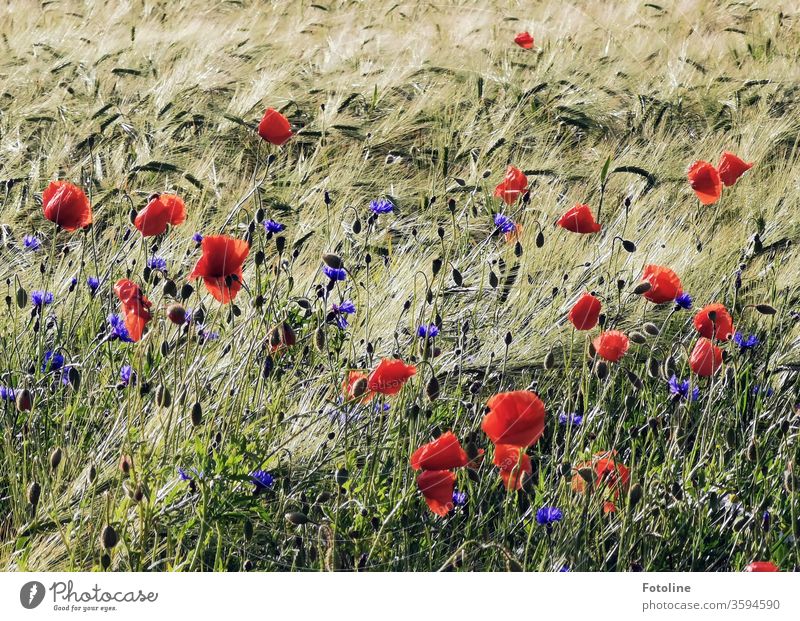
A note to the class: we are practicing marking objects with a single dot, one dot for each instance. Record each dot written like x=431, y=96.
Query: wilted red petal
x=513, y=186
x=524, y=40
x=609, y=474
x=611, y=345
x=723, y=322
x=437, y=488
x=706, y=358
x=584, y=314
x=274, y=127
x=705, y=182
x=443, y=453
x=579, y=219
x=389, y=376
x=513, y=464
x=514, y=418
x=665, y=285
x=161, y=210
x=66, y=205
x=349, y=384
x=732, y=167
x=759, y=566
x=135, y=307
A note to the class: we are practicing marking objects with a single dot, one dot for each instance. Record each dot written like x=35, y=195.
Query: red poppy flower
x=66, y=205
x=665, y=285
x=162, y=209
x=579, y=219
x=705, y=182
x=135, y=307
x=443, y=453
x=583, y=315
x=274, y=127
x=609, y=507
x=513, y=186
x=220, y=267
x=706, y=358
x=389, y=376
x=723, y=322
x=611, y=345
x=609, y=474
x=758, y=566
x=513, y=463
x=514, y=418
x=732, y=167
x=437, y=488
x=524, y=40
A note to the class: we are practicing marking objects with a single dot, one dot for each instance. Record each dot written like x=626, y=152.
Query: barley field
x=167, y=412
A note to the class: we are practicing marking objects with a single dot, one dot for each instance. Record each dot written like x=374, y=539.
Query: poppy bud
x=493, y=281
x=630, y=403
x=105, y=561
x=92, y=473
x=109, y=537
x=436, y=265
x=634, y=379
x=356, y=226
x=332, y=261
x=74, y=378
x=319, y=339
x=125, y=464
x=163, y=396
x=296, y=518
x=651, y=329
x=549, y=360
x=186, y=291
x=637, y=337
x=34, y=493
x=517, y=249
x=601, y=370
x=24, y=400
x=197, y=414
x=628, y=245
x=132, y=215
x=280, y=243
x=635, y=495
x=457, y=279
x=587, y=474
x=432, y=388
x=248, y=530
x=22, y=297
x=565, y=469
x=359, y=387
x=751, y=453
x=540, y=239
x=138, y=493
x=508, y=339
x=341, y=476
x=730, y=438
x=55, y=458
x=170, y=288
x=766, y=309
x=176, y=314
x=642, y=287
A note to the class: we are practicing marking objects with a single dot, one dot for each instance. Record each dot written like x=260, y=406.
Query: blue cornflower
x=273, y=227
x=53, y=361
x=429, y=331
x=126, y=375
x=93, y=283
x=118, y=329
x=681, y=389
x=745, y=343
x=7, y=394
x=459, y=498
x=341, y=322
x=209, y=335
x=381, y=206
x=334, y=273
x=570, y=419
x=564, y=568
x=262, y=480
x=183, y=475
x=347, y=307
x=546, y=516
x=31, y=242
x=764, y=391
x=197, y=238
x=157, y=263
x=382, y=407
x=684, y=301
x=72, y=282
x=504, y=223
x=41, y=298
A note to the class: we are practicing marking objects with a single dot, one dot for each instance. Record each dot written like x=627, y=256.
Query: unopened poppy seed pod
x=296, y=518
x=176, y=314
x=163, y=396
x=34, y=493
x=109, y=537
x=332, y=260
x=55, y=458
x=432, y=388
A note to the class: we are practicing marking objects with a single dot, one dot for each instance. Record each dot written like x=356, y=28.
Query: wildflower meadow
x=388, y=286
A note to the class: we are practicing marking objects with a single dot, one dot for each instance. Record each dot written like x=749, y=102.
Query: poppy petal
x=437, y=488
x=705, y=182
x=514, y=418
x=443, y=453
